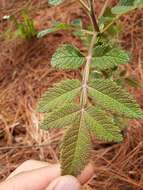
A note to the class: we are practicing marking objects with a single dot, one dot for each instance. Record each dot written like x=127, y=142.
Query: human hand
x=36, y=175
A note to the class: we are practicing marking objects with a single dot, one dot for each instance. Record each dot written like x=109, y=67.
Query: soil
x=25, y=73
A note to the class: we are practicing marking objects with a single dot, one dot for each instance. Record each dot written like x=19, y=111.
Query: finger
x=64, y=183
x=37, y=179
x=28, y=165
x=86, y=174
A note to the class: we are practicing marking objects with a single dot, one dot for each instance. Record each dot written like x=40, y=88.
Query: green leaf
x=67, y=57
x=77, y=23
x=57, y=27
x=62, y=117
x=126, y=2
x=126, y=6
x=110, y=59
x=110, y=96
x=131, y=2
x=133, y=82
x=55, y=2
x=102, y=125
x=138, y=3
x=75, y=150
x=122, y=9
x=121, y=122
x=60, y=94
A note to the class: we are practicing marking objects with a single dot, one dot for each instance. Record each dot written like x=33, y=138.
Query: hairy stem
x=84, y=92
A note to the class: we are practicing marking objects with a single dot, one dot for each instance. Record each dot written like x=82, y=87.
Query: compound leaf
x=102, y=125
x=75, y=150
x=110, y=59
x=62, y=117
x=60, y=94
x=110, y=96
x=67, y=57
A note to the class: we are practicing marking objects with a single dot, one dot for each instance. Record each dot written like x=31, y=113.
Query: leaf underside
x=75, y=150
x=67, y=57
x=61, y=117
x=110, y=59
x=102, y=125
x=110, y=96
x=62, y=93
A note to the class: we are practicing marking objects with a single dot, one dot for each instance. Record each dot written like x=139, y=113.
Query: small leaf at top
x=122, y=9
x=126, y=2
x=109, y=58
x=126, y=6
x=67, y=57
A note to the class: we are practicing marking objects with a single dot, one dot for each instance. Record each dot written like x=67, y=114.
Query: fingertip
x=86, y=174
x=64, y=183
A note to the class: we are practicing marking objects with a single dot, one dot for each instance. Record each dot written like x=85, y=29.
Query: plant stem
x=110, y=24
x=84, y=93
x=103, y=8
x=86, y=71
x=84, y=5
x=91, y=13
x=93, y=16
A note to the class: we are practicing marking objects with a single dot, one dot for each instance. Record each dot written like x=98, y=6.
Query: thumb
x=64, y=183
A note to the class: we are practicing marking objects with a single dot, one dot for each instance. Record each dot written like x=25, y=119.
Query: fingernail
x=64, y=183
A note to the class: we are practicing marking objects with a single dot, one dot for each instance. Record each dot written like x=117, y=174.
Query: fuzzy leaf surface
x=107, y=94
x=61, y=93
x=62, y=117
x=67, y=57
x=102, y=125
x=110, y=59
x=75, y=150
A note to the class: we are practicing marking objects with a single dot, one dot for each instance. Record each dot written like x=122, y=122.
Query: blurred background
x=25, y=73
